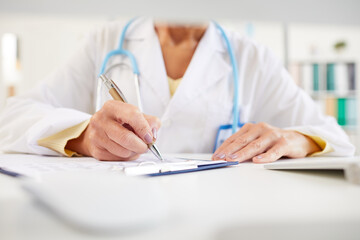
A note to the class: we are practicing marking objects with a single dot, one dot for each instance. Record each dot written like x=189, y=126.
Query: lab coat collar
x=144, y=44
x=207, y=67
x=215, y=40
x=143, y=27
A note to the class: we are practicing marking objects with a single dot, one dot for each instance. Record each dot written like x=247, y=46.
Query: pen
x=116, y=94
x=10, y=173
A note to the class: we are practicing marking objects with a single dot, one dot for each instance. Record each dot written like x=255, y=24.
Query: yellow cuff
x=324, y=145
x=58, y=141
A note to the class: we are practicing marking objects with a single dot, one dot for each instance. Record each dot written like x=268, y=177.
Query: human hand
x=263, y=143
x=118, y=131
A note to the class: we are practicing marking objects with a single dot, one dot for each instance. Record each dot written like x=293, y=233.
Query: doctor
x=186, y=86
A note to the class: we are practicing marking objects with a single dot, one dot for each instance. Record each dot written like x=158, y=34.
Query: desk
x=242, y=202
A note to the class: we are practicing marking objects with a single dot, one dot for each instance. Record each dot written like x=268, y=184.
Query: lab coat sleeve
x=281, y=103
x=62, y=100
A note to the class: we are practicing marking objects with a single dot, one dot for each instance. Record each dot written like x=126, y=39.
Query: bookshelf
x=333, y=85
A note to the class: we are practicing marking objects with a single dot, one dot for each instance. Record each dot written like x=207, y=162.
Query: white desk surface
x=246, y=201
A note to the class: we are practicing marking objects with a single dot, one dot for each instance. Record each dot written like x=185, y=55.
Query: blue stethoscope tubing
x=235, y=113
x=121, y=51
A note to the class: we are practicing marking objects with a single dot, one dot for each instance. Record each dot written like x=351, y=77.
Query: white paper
x=35, y=166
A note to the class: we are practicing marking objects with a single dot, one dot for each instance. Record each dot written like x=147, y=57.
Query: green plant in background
x=340, y=46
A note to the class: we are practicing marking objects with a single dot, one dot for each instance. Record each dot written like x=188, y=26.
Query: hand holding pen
x=118, y=131
x=116, y=94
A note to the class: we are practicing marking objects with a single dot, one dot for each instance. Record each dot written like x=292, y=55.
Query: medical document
x=35, y=166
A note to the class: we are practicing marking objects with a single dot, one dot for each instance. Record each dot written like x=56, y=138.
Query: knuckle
x=242, y=141
x=248, y=125
x=96, y=121
x=124, y=139
x=263, y=125
x=226, y=142
x=142, y=129
x=95, y=118
x=150, y=118
x=116, y=150
x=153, y=121
x=134, y=111
x=274, y=134
x=94, y=124
x=241, y=155
x=284, y=141
x=256, y=144
x=108, y=105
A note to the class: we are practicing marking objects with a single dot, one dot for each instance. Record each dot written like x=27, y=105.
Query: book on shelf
x=332, y=85
x=351, y=111
x=331, y=106
x=343, y=109
x=333, y=77
x=316, y=77
x=341, y=116
x=341, y=78
x=352, y=78
x=330, y=77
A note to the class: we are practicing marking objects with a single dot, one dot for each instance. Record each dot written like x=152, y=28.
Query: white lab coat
x=190, y=119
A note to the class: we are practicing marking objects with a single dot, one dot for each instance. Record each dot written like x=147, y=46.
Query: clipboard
x=176, y=167
x=200, y=167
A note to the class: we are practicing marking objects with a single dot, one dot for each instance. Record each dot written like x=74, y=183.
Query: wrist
x=310, y=145
x=78, y=145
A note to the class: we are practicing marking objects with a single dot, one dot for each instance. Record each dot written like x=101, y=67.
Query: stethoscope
x=220, y=137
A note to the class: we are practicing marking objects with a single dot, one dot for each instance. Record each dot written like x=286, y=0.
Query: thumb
x=154, y=123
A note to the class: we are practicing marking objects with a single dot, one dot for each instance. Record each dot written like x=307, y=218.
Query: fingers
x=220, y=151
x=259, y=142
x=115, y=148
x=129, y=114
x=102, y=147
x=238, y=141
x=291, y=144
x=154, y=124
x=273, y=154
x=245, y=141
x=105, y=155
x=118, y=131
x=124, y=137
x=254, y=148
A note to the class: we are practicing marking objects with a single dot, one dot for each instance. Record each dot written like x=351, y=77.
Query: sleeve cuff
x=58, y=141
x=324, y=145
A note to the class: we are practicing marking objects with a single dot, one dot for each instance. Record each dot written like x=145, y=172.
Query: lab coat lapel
x=154, y=88
x=207, y=67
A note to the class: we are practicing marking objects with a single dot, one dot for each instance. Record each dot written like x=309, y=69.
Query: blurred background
x=318, y=41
